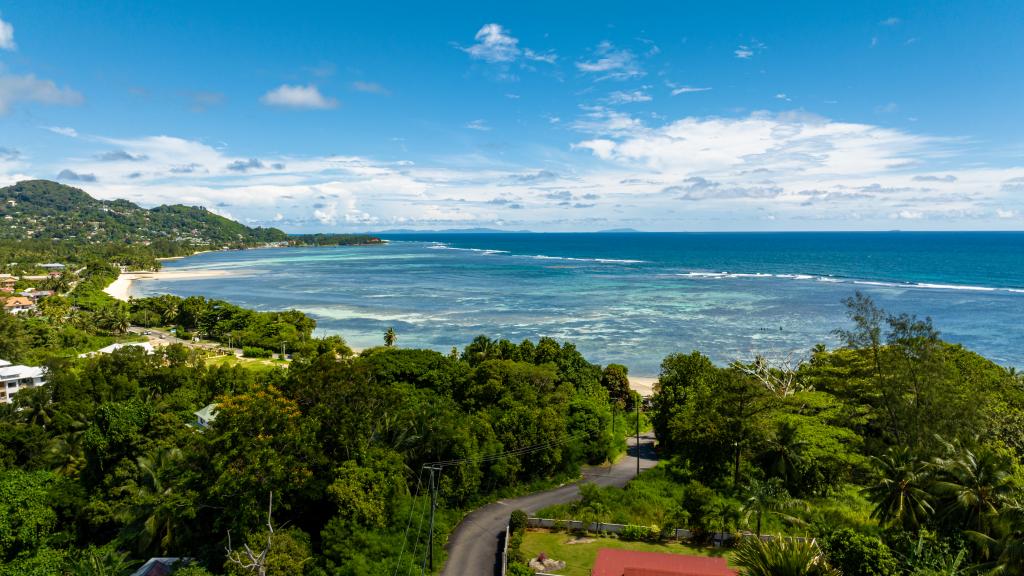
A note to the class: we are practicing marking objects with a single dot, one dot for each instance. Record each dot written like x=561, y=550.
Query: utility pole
x=433, y=506
x=637, y=400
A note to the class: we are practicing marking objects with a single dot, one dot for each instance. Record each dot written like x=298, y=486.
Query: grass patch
x=580, y=558
x=265, y=364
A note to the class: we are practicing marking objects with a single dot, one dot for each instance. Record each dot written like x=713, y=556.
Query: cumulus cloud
x=245, y=165
x=610, y=63
x=28, y=88
x=494, y=44
x=71, y=175
x=6, y=36
x=296, y=96
x=699, y=188
x=120, y=156
x=933, y=178
x=743, y=52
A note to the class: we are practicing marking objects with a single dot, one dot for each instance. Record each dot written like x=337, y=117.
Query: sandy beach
x=122, y=287
x=643, y=384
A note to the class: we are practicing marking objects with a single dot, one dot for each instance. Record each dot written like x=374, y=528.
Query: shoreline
x=121, y=288
x=643, y=385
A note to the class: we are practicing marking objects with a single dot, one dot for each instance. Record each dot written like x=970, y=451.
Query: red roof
x=629, y=563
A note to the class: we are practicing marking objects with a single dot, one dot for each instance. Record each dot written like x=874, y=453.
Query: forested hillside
x=104, y=466
x=900, y=452
x=41, y=209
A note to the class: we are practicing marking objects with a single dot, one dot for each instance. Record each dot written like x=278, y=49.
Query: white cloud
x=494, y=44
x=743, y=52
x=782, y=96
x=548, y=57
x=677, y=90
x=480, y=125
x=63, y=131
x=611, y=63
x=28, y=88
x=297, y=96
x=6, y=36
x=890, y=21
x=622, y=97
x=690, y=173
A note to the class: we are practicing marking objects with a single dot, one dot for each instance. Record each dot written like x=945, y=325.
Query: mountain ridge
x=43, y=209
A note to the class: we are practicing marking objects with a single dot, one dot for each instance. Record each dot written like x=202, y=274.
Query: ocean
x=633, y=298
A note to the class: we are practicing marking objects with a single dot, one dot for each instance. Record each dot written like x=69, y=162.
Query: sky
x=546, y=116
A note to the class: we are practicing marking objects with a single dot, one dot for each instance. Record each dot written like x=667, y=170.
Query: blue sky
x=543, y=116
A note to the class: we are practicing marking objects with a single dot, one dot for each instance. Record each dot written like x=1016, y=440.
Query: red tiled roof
x=629, y=563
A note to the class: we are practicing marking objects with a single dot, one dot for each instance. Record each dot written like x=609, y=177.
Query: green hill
x=45, y=210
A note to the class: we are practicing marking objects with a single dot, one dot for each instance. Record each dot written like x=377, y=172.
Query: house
x=14, y=377
x=18, y=304
x=206, y=416
x=52, y=266
x=7, y=283
x=36, y=295
x=161, y=566
x=612, y=562
x=113, y=347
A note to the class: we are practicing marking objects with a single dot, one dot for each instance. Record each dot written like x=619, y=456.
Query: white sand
x=122, y=287
x=643, y=384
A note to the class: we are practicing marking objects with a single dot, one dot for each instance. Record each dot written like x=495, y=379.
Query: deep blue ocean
x=633, y=298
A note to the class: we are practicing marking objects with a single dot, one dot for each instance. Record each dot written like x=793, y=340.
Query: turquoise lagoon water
x=633, y=298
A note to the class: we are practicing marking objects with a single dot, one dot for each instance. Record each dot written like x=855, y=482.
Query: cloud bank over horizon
x=508, y=126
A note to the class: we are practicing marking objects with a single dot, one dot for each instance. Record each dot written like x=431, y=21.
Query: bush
x=256, y=352
x=519, y=569
x=634, y=532
x=859, y=555
x=517, y=521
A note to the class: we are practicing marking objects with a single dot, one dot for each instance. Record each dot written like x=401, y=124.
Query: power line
x=412, y=510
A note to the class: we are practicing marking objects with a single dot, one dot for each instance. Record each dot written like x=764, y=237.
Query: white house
x=206, y=415
x=108, y=349
x=14, y=377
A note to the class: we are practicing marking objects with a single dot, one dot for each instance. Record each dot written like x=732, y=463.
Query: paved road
x=473, y=547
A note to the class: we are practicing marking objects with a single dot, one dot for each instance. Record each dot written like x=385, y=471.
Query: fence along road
x=475, y=547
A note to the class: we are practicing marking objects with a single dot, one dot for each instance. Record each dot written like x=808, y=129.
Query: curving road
x=473, y=546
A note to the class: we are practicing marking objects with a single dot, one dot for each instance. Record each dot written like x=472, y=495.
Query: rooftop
x=611, y=562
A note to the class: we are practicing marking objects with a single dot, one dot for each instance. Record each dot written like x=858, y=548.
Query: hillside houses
x=15, y=377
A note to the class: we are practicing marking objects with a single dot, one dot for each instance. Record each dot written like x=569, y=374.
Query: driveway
x=473, y=546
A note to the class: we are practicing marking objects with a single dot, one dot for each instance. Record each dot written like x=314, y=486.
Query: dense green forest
x=900, y=452
x=102, y=464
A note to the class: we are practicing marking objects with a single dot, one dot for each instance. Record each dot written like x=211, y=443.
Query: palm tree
x=390, y=337
x=34, y=406
x=767, y=497
x=974, y=487
x=154, y=524
x=782, y=557
x=1003, y=551
x=784, y=456
x=94, y=562
x=900, y=493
